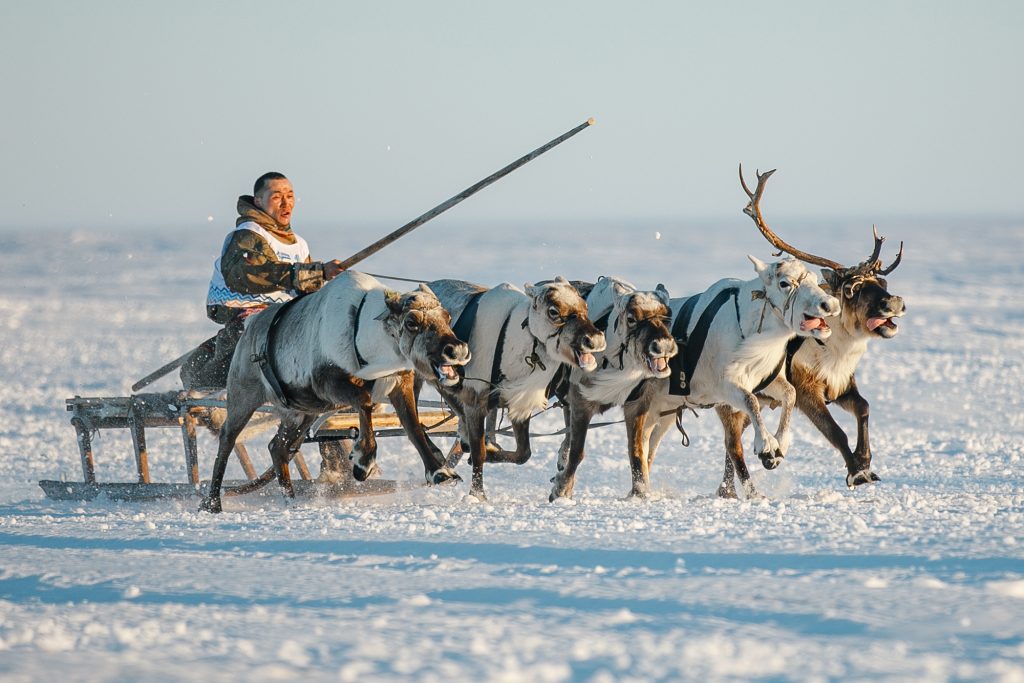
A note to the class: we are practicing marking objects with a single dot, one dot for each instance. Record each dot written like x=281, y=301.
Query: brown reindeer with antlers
x=823, y=371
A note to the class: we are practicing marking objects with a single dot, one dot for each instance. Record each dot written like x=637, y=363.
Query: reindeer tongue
x=585, y=358
x=873, y=323
x=812, y=324
x=448, y=371
x=659, y=364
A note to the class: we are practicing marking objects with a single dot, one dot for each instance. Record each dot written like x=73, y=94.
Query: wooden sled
x=179, y=410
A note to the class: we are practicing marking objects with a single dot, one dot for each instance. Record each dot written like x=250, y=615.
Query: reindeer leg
x=785, y=393
x=364, y=455
x=812, y=404
x=765, y=444
x=332, y=455
x=476, y=433
x=859, y=464
x=636, y=416
x=563, y=448
x=654, y=432
x=238, y=415
x=285, y=444
x=403, y=399
x=491, y=431
x=522, y=452
x=733, y=424
x=580, y=412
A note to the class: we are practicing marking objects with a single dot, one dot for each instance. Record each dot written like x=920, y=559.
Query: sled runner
x=178, y=410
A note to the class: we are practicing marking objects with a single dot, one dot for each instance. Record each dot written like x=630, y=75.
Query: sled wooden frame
x=178, y=410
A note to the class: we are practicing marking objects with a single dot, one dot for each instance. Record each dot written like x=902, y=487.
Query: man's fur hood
x=248, y=211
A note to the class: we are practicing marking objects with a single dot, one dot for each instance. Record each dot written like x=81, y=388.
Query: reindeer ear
x=621, y=288
x=662, y=293
x=561, y=280
x=394, y=303
x=531, y=290
x=831, y=278
x=426, y=290
x=760, y=266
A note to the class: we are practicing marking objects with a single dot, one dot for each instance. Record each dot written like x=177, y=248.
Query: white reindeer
x=823, y=372
x=352, y=343
x=519, y=339
x=639, y=346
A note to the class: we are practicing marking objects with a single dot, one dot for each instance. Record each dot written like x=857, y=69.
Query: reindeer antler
x=873, y=265
x=892, y=266
x=753, y=209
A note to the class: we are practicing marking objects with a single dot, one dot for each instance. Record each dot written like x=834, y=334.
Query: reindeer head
x=866, y=307
x=638, y=325
x=423, y=330
x=558, y=318
x=793, y=294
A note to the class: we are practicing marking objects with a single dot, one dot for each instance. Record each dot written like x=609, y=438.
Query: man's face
x=277, y=199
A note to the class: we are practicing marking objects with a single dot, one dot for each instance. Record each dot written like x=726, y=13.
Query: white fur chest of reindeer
x=639, y=343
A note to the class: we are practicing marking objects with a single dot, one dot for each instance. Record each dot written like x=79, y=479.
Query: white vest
x=289, y=253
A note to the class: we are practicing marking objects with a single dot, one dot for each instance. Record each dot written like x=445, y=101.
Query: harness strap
x=354, y=321
x=496, y=375
x=684, y=363
x=602, y=324
x=771, y=377
x=263, y=356
x=558, y=387
x=463, y=327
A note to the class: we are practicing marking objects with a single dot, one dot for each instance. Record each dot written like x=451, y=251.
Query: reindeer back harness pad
x=685, y=362
x=463, y=329
x=264, y=358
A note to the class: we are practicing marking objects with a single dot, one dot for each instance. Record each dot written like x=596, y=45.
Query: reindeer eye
x=630, y=319
x=553, y=312
x=412, y=324
x=785, y=284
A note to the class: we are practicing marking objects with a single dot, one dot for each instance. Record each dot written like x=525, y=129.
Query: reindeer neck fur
x=834, y=361
x=610, y=384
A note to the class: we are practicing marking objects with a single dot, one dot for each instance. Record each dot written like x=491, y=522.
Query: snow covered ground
x=920, y=577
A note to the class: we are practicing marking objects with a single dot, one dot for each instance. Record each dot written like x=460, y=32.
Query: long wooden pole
x=468, y=192
x=405, y=229
x=173, y=365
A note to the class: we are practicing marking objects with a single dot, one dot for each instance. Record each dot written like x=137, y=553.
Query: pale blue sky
x=158, y=114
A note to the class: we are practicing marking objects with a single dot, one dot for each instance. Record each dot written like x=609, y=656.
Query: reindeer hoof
x=771, y=460
x=863, y=477
x=728, y=492
x=478, y=494
x=211, y=505
x=561, y=489
x=444, y=475
x=362, y=473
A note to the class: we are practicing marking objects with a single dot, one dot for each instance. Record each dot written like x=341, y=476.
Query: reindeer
x=639, y=348
x=824, y=372
x=733, y=339
x=352, y=343
x=519, y=339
